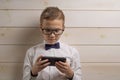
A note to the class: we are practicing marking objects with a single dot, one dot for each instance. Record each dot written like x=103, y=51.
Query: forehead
x=56, y=22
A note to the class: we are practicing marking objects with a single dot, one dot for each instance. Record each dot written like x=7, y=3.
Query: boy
x=51, y=27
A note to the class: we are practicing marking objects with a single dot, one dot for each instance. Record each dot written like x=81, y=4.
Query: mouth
x=51, y=39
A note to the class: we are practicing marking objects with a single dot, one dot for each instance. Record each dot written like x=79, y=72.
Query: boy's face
x=52, y=30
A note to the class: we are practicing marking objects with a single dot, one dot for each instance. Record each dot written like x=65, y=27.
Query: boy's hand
x=39, y=65
x=65, y=68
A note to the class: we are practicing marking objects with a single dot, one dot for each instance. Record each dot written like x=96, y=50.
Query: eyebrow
x=51, y=28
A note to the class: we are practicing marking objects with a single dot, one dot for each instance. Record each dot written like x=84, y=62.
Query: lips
x=51, y=39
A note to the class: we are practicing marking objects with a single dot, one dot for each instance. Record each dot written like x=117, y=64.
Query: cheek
x=45, y=36
x=58, y=37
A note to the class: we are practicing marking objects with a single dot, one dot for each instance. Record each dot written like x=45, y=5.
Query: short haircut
x=52, y=13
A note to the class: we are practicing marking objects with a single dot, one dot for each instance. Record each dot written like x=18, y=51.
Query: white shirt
x=51, y=72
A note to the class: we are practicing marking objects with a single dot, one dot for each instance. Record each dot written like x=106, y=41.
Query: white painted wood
x=99, y=53
x=101, y=71
x=92, y=36
x=9, y=71
x=90, y=71
x=92, y=18
x=30, y=18
x=19, y=18
x=19, y=35
x=78, y=36
x=87, y=22
x=12, y=53
x=64, y=4
x=16, y=53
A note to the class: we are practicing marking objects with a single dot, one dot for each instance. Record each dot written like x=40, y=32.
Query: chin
x=52, y=42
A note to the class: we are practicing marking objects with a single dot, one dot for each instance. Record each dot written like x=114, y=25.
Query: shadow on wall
x=14, y=43
x=30, y=38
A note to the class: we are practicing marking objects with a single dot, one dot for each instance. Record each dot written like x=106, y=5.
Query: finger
x=44, y=61
x=62, y=63
x=39, y=58
x=63, y=66
x=59, y=65
x=61, y=69
x=44, y=65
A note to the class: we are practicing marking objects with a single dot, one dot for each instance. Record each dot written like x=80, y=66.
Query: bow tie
x=49, y=46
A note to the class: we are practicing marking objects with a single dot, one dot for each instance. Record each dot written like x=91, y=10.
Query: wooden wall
x=92, y=26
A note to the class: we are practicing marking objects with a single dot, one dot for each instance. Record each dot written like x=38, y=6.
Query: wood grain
x=64, y=4
x=93, y=28
x=97, y=54
x=74, y=36
x=30, y=18
x=101, y=71
x=90, y=71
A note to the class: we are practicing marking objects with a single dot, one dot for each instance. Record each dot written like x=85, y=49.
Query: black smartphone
x=52, y=60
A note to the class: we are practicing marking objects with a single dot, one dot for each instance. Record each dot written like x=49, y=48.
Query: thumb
x=39, y=58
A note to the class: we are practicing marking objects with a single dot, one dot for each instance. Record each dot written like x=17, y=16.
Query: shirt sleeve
x=28, y=65
x=76, y=66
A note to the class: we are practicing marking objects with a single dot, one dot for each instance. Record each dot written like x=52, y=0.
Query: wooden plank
x=19, y=36
x=19, y=18
x=8, y=71
x=90, y=71
x=92, y=18
x=71, y=4
x=82, y=36
x=92, y=36
x=99, y=53
x=101, y=71
x=16, y=53
x=12, y=53
x=30, y=18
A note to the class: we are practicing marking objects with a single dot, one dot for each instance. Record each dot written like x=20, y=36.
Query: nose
x=52, y=35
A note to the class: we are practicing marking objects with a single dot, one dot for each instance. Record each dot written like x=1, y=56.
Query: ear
x=40, y=30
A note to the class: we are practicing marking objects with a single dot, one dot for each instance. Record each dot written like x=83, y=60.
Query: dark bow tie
x=49, y=46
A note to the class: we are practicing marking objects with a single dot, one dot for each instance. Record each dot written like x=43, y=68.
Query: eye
x=47, y=30
x=57, y=30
